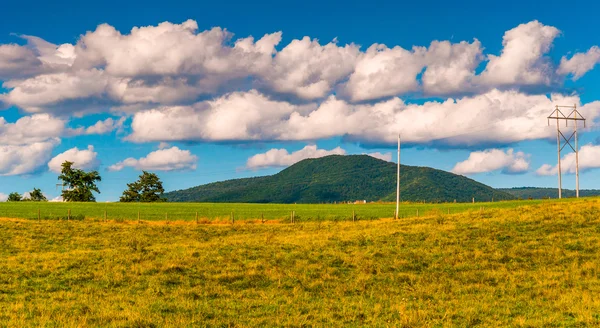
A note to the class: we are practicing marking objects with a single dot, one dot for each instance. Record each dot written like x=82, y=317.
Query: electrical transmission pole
x=398, y=181
x=574, y=116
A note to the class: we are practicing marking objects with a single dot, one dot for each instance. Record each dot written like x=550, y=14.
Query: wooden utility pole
x=398, y=181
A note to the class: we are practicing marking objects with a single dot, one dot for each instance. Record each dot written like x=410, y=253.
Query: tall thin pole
x=558, y=147
x=576, y=155
x=398, y=181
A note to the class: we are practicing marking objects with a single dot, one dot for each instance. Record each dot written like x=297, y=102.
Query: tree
x=14, y=197
x=79, y=184
x=148, y=188
x=37, y=196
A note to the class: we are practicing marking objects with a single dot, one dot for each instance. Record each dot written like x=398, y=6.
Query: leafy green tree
x=148, y=188
x=79, y=184
x=37, y=196
x=14, y=197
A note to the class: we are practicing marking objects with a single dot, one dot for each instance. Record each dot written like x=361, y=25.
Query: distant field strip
x=223, y=211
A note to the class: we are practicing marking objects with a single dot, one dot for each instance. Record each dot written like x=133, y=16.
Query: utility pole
x=398, y=181
x=574, y=116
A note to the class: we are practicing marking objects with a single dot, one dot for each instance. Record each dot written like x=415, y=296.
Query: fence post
x=353, y=216
x=167, y=217
x=448, y=211
x=232, y=218
x=39, y=218
x=69, y=215
x=262, y=217
x=105, y=216
x=138, y=216
x=196, y=217
x=417, y=212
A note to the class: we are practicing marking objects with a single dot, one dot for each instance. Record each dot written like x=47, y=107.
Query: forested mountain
x=338, y=178
x=542, y=193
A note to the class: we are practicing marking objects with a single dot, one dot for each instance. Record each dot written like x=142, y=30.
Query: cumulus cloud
x=30, y=129
x=56, y=199
x=170, y=159
x=101, y=127
x=523, y=60
x=589, y=158
x=383, y=156
x=508, y=161
x=495, y=117
x=309, y=70
x=86, y=159
x=451, y=67
x=580, y=63
x=236, y=116
x=3, y=197
x=383, y=72
x=281, y=157
x=24, y=159
x=60, y=92
x=176, y=64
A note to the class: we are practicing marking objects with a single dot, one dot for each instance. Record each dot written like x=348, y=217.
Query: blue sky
x=194, y=104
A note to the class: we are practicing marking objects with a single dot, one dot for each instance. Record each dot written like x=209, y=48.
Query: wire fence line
x=224, y=212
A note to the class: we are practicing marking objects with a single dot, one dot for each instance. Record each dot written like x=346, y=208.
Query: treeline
x=80, y=186
x=34, y=196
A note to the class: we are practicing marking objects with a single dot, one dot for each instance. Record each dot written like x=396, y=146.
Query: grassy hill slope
x=341, y=178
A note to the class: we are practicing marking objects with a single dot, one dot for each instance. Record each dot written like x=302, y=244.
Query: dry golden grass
x=532, y=266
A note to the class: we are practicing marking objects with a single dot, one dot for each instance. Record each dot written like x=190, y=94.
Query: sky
x=202, y=92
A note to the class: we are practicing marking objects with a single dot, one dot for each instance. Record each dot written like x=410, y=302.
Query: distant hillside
x=541, y=193
x=342, y=178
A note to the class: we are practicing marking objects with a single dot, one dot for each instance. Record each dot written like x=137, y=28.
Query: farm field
x=222, y=211
x=533, y=265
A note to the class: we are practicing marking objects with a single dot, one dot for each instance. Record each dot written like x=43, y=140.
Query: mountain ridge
x=543, y=193
x=338, y=178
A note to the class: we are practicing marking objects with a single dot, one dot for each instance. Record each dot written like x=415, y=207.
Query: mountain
x=541, y=193
x=338, y=178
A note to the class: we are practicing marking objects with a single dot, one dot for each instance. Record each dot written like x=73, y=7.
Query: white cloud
x=26, y=145
x=580, y=63
x=382, y=156
x=589, y=158
x=383, y=72
x=522, y=61
x=54, y=91
x=30, y=129
x=451, y=67
x=101, y=127
x=56, y=199
x=171, y=159
x=236, y=116
x=86, y=159
x=176, y=64
x=3, y=197
x=281, y=157
x=309, y=70
x=509, y=161
x=499, y=117
x=24, y=159
x=17, y=61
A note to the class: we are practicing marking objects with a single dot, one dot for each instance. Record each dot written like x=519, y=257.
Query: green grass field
x=222, y=211
x=528, y=266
